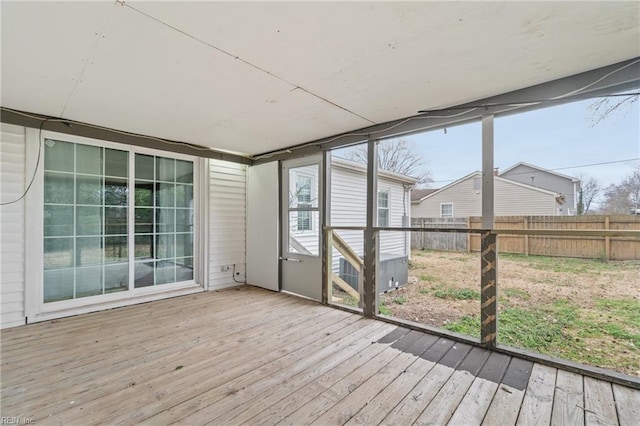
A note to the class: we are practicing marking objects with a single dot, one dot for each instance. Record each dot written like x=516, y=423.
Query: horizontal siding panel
x=9, y=148
x=10, y=257
x=16, y=307
x=13, y=157
x=227, y=212
x=12, y=282
x=12, y=139
x=12, y=175
x=12, y=297
x=11, y=129
x=227, y=174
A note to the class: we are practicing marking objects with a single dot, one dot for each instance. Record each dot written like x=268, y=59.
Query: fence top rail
x=543, y=232
x=570, y=232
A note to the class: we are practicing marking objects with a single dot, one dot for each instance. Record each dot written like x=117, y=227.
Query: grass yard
x=583, y=310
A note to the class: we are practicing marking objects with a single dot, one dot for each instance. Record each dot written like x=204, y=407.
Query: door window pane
x=58, y=188
x=58, y=253
x=145, y=273
x=88, y=281
x=144, y=193
x=88, y=159
x=59, y=156
x=145, y=168
x=184, y=171
x=58, y=285
x=165, y=245
x=184, y=245
x=89, y=220
x=184, y=220
x=303, y=186
x=58, y=220
x=116, y=163
x=165, y=272
x=165, y=195
x=184, y=269
x=115, y=220
x=88, y=251
x=116, y=249
x=302, y=241
x=184, y=195
x=116, y=278
x=89, y=189
x=165, y=220
x=115, y=192
x=144, y=221
x=165, y=169
x=144, y=247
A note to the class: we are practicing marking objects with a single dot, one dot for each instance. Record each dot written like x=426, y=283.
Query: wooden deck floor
x=248, y=356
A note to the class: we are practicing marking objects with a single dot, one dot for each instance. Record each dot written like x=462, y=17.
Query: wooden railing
x=335, y=241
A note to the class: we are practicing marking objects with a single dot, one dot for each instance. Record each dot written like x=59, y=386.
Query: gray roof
x=418, y=194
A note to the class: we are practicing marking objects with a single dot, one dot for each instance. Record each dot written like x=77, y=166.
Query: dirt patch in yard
x=580, y=309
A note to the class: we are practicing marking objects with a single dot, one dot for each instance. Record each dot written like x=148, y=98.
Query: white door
x=301, y=271
x=262, y=226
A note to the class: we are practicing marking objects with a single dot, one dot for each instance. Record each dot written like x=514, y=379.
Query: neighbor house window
x=303, y=195
x=446, y=210
x=88, y=225
x=383, y=208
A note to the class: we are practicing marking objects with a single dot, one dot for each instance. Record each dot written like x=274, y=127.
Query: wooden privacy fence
x=445, y=241
x=594, y=247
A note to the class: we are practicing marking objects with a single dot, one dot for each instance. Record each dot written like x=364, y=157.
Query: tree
x=589, y=190
x=624, y=197
x=604, y=107
x=398, y=156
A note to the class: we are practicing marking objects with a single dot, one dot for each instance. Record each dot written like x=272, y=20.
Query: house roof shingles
x=419, y=194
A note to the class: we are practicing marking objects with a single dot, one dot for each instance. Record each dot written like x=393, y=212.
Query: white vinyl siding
x=12, y=236
x=227, y=222
x=349, y=208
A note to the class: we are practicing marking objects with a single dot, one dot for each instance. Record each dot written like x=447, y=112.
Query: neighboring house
x=348, y=207
x=539, y=177
x=463, y=198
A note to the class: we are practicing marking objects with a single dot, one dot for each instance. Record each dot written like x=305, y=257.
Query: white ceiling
x=256, y=77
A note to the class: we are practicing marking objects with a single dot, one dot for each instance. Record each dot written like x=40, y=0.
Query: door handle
x=290, y=259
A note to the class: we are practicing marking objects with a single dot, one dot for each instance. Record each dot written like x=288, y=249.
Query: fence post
x=489, y=294
x=607, y=241
x=526, y=237
x=422, y=243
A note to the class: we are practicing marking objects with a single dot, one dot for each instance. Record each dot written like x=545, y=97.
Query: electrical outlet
x=224, y=268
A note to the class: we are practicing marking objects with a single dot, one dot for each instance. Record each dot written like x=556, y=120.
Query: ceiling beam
x=72, y=127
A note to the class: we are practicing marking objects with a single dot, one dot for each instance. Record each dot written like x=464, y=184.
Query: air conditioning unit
x=393, y=272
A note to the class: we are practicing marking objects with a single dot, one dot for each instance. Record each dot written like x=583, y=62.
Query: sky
x=554, y=138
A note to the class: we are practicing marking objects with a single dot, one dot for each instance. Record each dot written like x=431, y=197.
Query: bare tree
x=398, y=156
x=624, y=197
x=589, y=190
x=604, y=107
